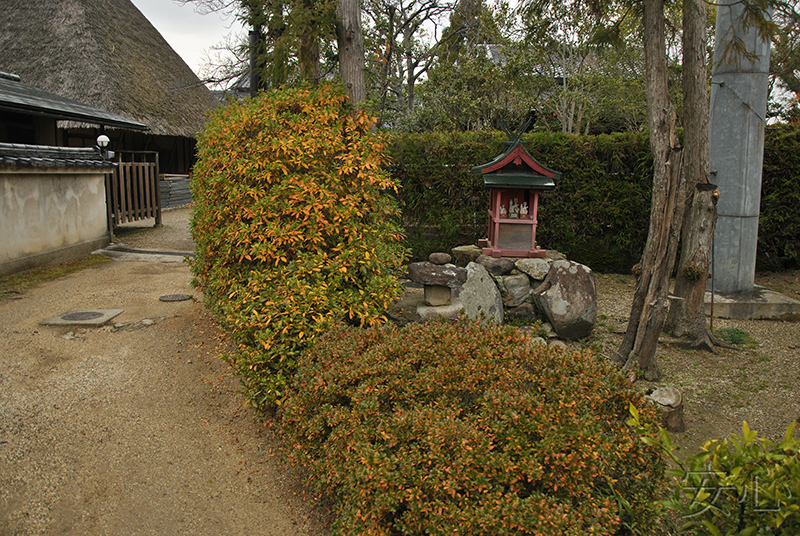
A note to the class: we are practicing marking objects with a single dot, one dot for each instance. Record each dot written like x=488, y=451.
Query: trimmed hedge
x=462, y=429
x=779, y=222
x=293, y=227
x=599, y=212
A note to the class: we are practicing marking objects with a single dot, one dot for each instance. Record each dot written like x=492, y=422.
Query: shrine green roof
x=516, y=168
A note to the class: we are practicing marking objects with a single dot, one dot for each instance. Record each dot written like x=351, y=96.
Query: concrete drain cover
x=175, y=297
x=94, y=317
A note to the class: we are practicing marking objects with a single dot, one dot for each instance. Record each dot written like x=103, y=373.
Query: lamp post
x=102, y=142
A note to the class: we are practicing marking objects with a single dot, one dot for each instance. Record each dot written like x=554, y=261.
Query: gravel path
x=138, y=428
x=758, y=382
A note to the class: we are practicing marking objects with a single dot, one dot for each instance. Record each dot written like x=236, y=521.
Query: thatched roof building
x=106, y=54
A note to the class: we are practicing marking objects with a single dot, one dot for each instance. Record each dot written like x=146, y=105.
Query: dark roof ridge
x=16, y=96
x=48, y=156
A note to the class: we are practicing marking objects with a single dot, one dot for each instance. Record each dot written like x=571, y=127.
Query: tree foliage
x=401, y=49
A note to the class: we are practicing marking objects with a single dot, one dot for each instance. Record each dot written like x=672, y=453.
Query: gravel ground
x=138, y=428
x=758, y=382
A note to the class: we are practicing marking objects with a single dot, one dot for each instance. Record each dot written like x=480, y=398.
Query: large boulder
x=568, y=297
x=480, y=295
x=524, y=312
x=501, y=266
x=535, y=268
x=446, y=275
x=517, y=290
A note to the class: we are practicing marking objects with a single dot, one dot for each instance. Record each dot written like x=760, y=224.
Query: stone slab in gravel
x=83, y=317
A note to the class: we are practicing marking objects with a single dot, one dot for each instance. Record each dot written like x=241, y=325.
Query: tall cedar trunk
x=351, y=49
x=309, y=59
x=687, y=312
x=256, y=78
x=649, y=308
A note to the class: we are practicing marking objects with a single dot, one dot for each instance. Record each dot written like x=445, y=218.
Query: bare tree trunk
x=256, y=38
x=410, y=76
x=687, y=312
x=387, y=66
x=649, y=308
x=309, y=59
x=351, y=49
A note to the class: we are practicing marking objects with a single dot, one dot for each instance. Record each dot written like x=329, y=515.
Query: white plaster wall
x=43, y=211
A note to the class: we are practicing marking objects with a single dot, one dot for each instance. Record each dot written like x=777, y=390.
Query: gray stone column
x=736, y=147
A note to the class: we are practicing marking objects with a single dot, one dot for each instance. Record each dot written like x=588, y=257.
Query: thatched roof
x=106, y=54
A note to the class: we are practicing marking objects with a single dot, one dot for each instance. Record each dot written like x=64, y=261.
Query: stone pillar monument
x=736, y=146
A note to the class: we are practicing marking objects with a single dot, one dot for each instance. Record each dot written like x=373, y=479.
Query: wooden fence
x=132, y=191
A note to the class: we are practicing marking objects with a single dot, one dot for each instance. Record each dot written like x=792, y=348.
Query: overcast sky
x=187, y=32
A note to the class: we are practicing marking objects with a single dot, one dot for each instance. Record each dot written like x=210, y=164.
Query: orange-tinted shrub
x=293, y=227
x=462, y=429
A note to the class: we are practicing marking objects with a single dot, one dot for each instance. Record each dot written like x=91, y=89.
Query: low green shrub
x=736, y=336
x=294, y=227
x=448, y=429
x=737, y=487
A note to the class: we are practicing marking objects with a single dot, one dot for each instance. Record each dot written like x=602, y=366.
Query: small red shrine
x=514, y=179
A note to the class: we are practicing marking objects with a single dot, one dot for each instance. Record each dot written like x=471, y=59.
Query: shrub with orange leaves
x=459, y=429
x=294, y=226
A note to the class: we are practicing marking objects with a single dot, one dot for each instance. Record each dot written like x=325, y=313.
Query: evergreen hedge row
x=779, y=223
x=599, y=212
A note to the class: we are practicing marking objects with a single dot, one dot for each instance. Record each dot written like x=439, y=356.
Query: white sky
x=188, y=33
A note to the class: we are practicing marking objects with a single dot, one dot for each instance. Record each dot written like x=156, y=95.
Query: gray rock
x=548, y=330
x=517, y=290
x=498, y=280
x=522, y=312
x=448, y=312
x=466, y=254
x=568, y=298
x=437, y=295
x=447, y=275
x=557, y=344
x=480, y=296
x=439, y=258
x=536, y=268
x=501, y=266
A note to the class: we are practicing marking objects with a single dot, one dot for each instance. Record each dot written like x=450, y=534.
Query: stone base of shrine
x=497, y=252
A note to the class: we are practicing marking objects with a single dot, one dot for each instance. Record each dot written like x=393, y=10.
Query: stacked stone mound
x=492, y=290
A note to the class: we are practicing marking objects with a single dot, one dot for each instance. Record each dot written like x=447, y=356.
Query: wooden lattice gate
x=132, y=190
